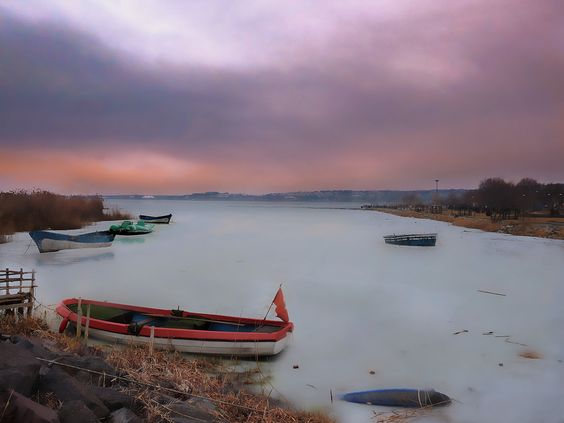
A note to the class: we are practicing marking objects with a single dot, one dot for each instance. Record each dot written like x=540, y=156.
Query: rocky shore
x=50, y=378
x=42, y=385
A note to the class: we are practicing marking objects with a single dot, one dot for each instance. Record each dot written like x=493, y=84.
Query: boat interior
x=137, y=320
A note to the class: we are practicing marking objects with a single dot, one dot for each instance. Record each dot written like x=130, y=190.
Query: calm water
x=357, y=303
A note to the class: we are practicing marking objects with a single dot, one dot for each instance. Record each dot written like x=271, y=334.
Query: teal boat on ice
x=128, y=227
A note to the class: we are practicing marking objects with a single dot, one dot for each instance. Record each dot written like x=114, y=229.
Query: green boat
x=128, y=227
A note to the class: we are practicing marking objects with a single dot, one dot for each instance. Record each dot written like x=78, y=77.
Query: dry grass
x=533, y=355
x=200, y=378
x=36, y=327
x=402, y=416
x=48, y=399
x=28, y=326
x=27, y=211
x=116, y=214
x=408, y=415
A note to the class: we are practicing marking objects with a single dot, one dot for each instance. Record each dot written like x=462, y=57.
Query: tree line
x=502, y=199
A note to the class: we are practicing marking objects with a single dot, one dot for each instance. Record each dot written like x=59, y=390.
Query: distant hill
x=382, y=197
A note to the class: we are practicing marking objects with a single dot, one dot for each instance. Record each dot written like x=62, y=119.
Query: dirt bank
x=543, y=227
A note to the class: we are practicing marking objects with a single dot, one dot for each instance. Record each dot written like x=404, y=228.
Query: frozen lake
x=357, y=304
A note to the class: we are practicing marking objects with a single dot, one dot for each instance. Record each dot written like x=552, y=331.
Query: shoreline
x=59, y=378
x=541, y=227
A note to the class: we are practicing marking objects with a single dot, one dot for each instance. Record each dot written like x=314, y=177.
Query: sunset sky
x=174, y=97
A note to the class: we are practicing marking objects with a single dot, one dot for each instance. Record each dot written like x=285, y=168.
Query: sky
x=175, y=97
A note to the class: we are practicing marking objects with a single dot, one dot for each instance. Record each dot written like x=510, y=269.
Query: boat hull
x=410, y=398
x=130, y=233
x=156, y=219
x=413, y=240
x=231, y=336
x=191, y=346
x=50, y=241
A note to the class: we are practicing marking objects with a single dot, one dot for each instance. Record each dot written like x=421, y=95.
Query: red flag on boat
x=280, y=306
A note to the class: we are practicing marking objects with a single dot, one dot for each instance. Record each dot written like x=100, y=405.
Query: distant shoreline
x=542, y=227
x=321, y=196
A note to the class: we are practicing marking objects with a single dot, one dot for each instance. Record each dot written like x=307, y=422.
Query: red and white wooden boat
x=176, y=329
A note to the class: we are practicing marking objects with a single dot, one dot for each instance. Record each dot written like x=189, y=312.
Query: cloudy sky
x=254, y=96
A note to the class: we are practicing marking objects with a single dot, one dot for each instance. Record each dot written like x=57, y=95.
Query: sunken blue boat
x=414, y=240
x=156, y=219
x=50, y=241
x=400, y=397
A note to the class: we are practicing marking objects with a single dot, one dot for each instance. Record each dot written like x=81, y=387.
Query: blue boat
x=414, y=240
x=156, y=219
x=400, y=397
x=50, y=241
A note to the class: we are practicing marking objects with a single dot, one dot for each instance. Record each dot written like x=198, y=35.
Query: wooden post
x=79, y=318
x=152, y=340
x=20, y=310
x=31, y=294
x=87, y=323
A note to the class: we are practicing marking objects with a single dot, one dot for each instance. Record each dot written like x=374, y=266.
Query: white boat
x=51, y=241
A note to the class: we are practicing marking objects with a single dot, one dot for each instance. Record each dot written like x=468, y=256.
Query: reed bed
x=27, y=211
x=200, y=379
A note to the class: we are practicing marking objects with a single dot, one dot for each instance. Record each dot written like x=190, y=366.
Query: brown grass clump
x=398, y=416
x=533, y=355
x=180, y=377
x=33, y=326
x=27, y=326
x=48, y=399
x=28, y=211
x=407, y=415
x=116, y=214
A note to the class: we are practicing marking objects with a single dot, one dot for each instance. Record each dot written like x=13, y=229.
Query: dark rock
x=19, y=370
x=194, y=410
x=166, y=384
x=165, y=399
x=35, y=346
x=66, y=388
x=23, y=342
x=17, y=408
x=112, y=398
x=124, y=415
x=76, y=412
x=103, y=371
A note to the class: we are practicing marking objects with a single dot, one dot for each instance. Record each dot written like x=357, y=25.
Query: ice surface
x=358, y=304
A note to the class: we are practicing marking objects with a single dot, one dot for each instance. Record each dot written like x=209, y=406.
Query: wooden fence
x=17, y=291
